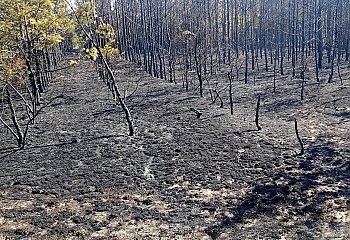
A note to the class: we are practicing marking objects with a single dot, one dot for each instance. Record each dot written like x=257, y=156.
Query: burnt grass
x=181, y=177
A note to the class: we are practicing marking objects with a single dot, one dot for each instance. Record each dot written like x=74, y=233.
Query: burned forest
x=174, y=119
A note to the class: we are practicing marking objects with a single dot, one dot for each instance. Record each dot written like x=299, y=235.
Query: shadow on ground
x=307, y=193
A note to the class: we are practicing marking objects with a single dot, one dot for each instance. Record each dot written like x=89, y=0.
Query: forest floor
x=181, y=177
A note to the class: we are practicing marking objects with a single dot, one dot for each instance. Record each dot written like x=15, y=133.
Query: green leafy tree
x=29, y=31
x=100, y=37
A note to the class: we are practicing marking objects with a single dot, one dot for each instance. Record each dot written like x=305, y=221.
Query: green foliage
x=86, y=13
x=92, y=53
x=12, y=67
x=106, y=31
x=26, y=26
x=109, y=50
x=87, y=27
x=37, y=22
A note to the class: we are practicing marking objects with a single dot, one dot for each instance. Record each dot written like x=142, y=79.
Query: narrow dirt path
x=180, y=177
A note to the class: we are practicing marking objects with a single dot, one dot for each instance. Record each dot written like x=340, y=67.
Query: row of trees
x=285, y=36
x=31, y=34
x=34, y=35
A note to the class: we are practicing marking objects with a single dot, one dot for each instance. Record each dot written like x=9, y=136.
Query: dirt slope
x=82, y=177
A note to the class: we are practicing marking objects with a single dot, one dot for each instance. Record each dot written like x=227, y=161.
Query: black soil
x=181, y=177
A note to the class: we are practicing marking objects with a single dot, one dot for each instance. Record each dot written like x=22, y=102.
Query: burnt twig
x=299, y=139
x=198, y=113
x=257, y=114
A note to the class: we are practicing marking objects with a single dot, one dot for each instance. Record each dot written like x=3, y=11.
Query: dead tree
x=298, y=137
x=257, y=114
x=230, y=78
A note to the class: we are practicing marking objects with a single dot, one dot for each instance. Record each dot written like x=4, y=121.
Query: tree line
x=295, y=37
x=35, y=35
x=31, y=47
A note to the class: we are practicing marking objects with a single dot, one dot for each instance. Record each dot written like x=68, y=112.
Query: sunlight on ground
x=11, y=225
x=16, y=205
x=68, y=205
x=143, y=201
x=152, y=229
x=2, y=237
x=338, y=210
x=334, y=210
x=207, y=195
